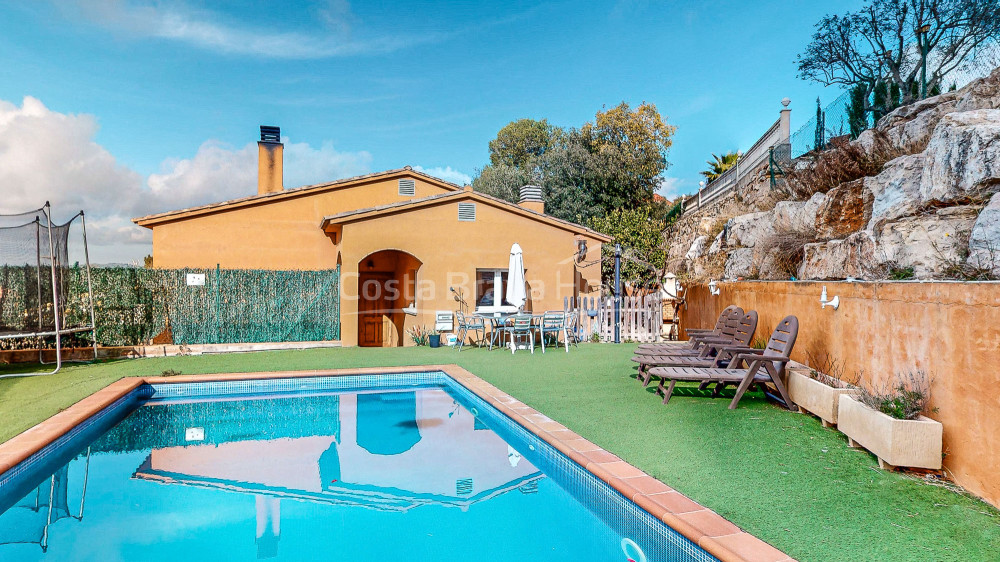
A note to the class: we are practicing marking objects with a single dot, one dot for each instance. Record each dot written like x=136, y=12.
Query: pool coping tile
x=702, y=526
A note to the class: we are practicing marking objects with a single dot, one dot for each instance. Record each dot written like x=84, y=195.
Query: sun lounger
x=724, y=334
x=763, y=367
x=718, y=323
x=707, y=356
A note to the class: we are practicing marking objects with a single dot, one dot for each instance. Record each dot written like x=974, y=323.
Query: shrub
x=844, y=163
x=903, y=397
x=787, y=252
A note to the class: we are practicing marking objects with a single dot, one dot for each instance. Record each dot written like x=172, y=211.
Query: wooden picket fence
x=641, y=317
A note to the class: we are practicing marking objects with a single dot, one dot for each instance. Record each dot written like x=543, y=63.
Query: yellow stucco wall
x=273, y=235
x=286, y=234
x=451, y=251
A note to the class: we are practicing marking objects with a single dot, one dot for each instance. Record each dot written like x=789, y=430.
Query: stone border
x=700, y=525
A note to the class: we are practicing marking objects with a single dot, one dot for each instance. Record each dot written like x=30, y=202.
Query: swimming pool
x=407, y=466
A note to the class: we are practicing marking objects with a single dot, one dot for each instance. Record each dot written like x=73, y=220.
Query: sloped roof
x=150, y=220
x=414, y=204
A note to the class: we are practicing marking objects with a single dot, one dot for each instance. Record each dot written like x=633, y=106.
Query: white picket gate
x=641, y=317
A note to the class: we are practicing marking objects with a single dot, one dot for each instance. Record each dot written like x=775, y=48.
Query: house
x=406, y=244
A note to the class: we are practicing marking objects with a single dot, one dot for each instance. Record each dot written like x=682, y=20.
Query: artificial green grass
x=778, y=475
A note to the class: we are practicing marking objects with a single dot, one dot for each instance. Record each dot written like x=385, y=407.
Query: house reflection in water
x=390, y=451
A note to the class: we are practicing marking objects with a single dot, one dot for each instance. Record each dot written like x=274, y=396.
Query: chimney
x=270, y=178
x=531, y=198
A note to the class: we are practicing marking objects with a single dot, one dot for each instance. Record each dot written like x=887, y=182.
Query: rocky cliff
x=915, y=197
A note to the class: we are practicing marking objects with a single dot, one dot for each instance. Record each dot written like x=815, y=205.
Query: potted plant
x=818, y=392
x=887, y=421
x=418, y=335
x=434, y=338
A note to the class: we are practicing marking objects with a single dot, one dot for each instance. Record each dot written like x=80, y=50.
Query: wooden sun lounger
x=708, y=355
x=724, y=334
x=719, y=324
x=763, y=367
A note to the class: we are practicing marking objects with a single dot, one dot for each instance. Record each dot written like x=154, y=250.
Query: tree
x=641, y=238
x=717, y=165
x=520, y=141
x=631, y=148
x=501, y=180
x=857, y=114
x=879, y=43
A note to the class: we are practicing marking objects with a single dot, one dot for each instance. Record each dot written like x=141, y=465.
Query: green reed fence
x=134, y=305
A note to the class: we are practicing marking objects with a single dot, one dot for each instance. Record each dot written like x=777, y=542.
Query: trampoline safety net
x=36, y=302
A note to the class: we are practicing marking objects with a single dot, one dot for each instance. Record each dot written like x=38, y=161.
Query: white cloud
x=671, y=188
x=206, y=30
x=50, y=156
x=446, y=173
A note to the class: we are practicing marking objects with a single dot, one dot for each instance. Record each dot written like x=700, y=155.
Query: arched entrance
x=386, y=285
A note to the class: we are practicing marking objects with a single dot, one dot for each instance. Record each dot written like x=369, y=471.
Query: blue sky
x=173, y=89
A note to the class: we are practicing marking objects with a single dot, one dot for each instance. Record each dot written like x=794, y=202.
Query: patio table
x=498, y=324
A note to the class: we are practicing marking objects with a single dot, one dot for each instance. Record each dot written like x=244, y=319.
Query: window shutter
x=467, y=212
x=407, y=188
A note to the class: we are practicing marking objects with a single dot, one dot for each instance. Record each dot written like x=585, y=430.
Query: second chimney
x=270, y=175
x=531, y=198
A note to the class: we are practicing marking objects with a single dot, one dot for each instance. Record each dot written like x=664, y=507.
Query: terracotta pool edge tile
x=742, y=547
x=19, y=448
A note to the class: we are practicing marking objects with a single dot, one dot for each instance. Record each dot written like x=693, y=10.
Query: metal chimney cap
x=531, y=193
x=270, y=134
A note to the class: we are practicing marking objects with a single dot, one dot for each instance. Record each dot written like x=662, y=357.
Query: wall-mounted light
x=581, y=250
x=713, y=287
x=671, y=288
x=824, y=302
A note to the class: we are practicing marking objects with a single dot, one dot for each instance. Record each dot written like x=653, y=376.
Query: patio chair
x=709, y=355
x=726, y=333
x=553, y=323
x=763, y=367
x=573, y=330
x=522, y=329
x=465, y=324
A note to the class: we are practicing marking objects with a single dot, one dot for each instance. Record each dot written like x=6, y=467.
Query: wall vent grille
x=407, y=188
x=467, y=212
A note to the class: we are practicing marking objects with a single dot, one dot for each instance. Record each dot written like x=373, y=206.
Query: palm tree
x=718, y=165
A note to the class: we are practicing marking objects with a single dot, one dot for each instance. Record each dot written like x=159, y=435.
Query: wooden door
x=373, y=306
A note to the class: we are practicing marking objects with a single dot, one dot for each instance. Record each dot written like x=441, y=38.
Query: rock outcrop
x=846, y=208
x=924, y=214
x=798, y=217
x=984, y=242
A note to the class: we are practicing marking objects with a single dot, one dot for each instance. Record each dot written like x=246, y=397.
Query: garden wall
x=949, y=330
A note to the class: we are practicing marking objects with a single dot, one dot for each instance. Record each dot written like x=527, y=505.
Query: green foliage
x=631, y=147
x=614, y=162
x=520, y=141
x=641, y=238
x=719, y=164
x=501, y=180
x=903, y=398
x=897, y=273
x=857, y=112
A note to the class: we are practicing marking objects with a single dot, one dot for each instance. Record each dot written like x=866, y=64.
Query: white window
x=491, y=291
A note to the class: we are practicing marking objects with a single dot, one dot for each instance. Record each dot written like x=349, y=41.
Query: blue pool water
x=403, y=467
